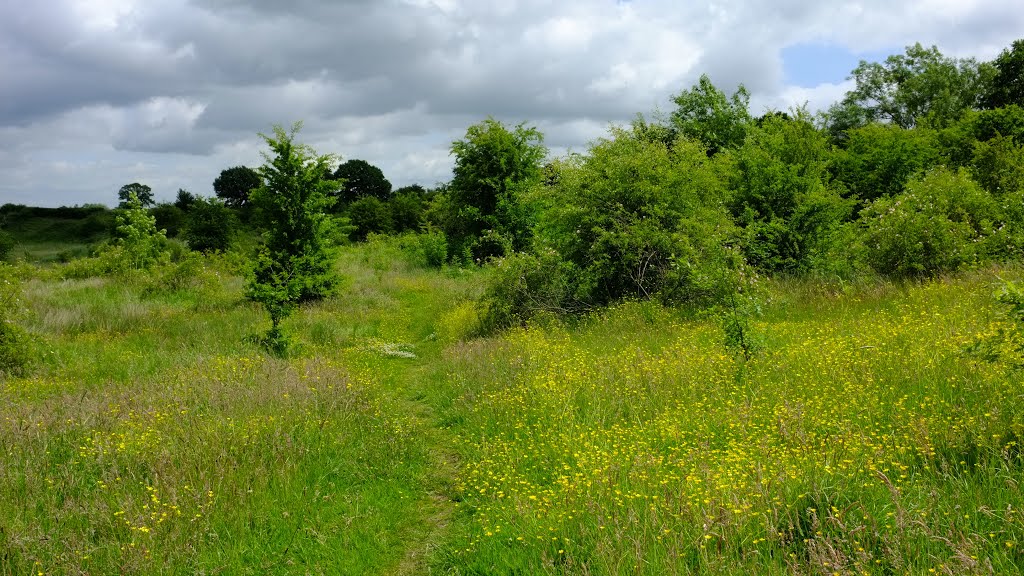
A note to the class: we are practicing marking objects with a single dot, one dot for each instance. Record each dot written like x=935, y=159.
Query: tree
x=138, y=244
x=706, y=114
x=782, y=195
x=1007, y=86
x=368, y=214
x=360, y=179
x=919, y=85
x=492, y=166
x=295, y=262
x=185, y=199
x=234, y=185
x=142, y=192
x=878, y=159
x=209, y=225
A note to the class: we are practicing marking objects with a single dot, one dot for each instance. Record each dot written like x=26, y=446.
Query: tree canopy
x=1007, y=85
x=235, y=184
x=143, y=193
x=359, y=179
x=706, y=114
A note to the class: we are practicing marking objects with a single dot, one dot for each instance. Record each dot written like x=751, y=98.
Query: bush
x=209, y=226
x=369, y=215
x=15, y=355
x=782, y=195
x=525, y=285
x=939, y=224
x=637, y=220
x=169, y=218
x=434, y=246
x=7, y=244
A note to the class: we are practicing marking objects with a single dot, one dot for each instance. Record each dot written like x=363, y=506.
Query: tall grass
x=151, y=437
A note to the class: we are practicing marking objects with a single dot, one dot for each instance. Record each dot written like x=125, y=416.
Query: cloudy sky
x=95, y=94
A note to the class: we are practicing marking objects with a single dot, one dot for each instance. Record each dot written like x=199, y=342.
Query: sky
x=95, y=94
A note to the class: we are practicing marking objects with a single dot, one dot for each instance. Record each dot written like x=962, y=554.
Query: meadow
x=152, y=436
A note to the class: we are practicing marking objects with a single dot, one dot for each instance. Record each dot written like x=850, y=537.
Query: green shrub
x=169, y=218
x=209, y=226
x=7, y=244
x=939, y=224
x=15, y=355
x=637, y=220
x=524, y=285
x=434, y=246
x=296, y=261
x=782, y=195
x=369, y=215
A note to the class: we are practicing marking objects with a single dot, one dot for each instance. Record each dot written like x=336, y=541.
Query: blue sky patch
x=810, y=65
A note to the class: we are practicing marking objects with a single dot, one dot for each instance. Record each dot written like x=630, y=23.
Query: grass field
x=151, y=436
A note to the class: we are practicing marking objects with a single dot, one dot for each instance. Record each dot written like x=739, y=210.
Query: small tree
x=141, y=191
x=295, y=262
x=138, y=244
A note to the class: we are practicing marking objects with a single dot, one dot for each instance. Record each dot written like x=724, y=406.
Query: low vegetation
x=711, y=343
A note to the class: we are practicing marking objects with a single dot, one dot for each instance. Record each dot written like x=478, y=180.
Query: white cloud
x=97, y=93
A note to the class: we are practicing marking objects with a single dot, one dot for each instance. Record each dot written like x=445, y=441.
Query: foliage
x=360, y=179
x=137, y=244
x=493, y=165
x=185, y=199
x=7, y=244
x=169, y=218
x=434, y=247
x=1007, y=85
x=295, y=262
x=782, y=195
x=878, y=159
x=407, y=206
x=920, y=85
x=998, y=165
x=209, y=226
x=143, y=193
x=635, y=219
x=1004, y=340
x=235, y=185
x=937, y=225
x=704, y=113
x=369, y=215
x=15, y=355
x=525, y=285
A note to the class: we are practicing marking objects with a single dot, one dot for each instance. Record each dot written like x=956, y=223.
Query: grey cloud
x=172, y=91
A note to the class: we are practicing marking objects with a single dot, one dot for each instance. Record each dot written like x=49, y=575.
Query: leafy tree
x=921, y=84
x=493, y=165
x=782, y=195
x=295, y=262
x=168, y=217
x=234, y=185
x=1007, y=86
x=369, y=215
x=998, y=165
x=878, y=159
x=706, y=114
x=634, y=219
x=141, y=191
x=185, y=200
x=209, y=226
x=407, y=205
x=138, y=244
x=359, y=179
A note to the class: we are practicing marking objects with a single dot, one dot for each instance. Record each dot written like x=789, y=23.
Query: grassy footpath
x=151, y=438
